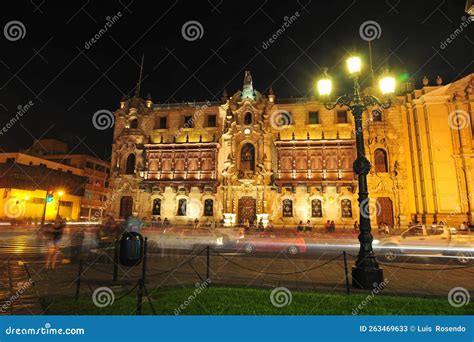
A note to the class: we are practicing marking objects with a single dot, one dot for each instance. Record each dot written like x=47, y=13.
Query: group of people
x=383, y=228
x=330, y=226
x=160, y=223
x=465, y=227
x=208, y=224
x=308, y=227
x=259, y=226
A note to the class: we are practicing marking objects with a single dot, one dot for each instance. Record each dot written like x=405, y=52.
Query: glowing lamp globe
x=354, y=64
x=387, y=85
x=324, y=86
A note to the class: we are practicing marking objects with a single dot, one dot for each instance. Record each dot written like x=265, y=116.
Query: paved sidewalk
x=18, y=295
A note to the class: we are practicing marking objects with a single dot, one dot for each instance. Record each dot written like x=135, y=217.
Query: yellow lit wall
x=25, y=204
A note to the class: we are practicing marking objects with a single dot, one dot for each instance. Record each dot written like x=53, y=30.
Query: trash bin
x=131, y=249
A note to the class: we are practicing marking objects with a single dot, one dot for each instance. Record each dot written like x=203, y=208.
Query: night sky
x=68, y=82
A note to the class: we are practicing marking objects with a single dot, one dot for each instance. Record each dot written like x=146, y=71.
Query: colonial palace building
x=255, y=155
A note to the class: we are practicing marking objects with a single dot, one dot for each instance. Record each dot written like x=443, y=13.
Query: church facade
x=255, y=156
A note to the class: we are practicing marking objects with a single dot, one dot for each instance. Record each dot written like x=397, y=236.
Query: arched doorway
x=126, y=206
x=384, y=211
x=247, y=209
x=247, y=158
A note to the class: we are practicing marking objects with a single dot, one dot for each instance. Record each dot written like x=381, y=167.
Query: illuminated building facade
x=29, y=185
x=97, y=171
x=253, y=156
x=77, y=183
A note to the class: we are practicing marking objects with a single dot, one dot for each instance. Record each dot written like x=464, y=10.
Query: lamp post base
x=366, y=278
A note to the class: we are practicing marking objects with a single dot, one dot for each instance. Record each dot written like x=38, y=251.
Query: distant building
x=255, y=156
x=28, y=182
x=96, y=171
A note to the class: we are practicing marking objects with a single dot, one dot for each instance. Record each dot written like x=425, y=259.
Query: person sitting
x=269, y=226
x=159, y=223
x=300, y=227
x=260, y=227
x=166, y=222
x=247, y=225
x=308, y=227
x=196, y=223
x=332, y=227
x=380, y=228
x=356, y=227
x=327, y=226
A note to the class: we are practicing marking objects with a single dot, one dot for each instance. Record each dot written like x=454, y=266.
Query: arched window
x=287, y=208
x=346, y=208
x=316, y=208
x=380, y=159
x=182, y=206
x=156, y=209
x=134, y=123
x=248, y=118
x=130, y=167
x=208, y=207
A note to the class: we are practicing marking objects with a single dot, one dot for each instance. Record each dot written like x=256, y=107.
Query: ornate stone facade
x=255, y=156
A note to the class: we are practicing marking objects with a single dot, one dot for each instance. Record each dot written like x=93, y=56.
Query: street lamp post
x=366, y=274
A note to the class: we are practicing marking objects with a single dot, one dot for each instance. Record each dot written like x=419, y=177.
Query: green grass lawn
x=242, y=301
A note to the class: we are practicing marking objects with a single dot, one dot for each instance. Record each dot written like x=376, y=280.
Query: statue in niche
x=247, y=160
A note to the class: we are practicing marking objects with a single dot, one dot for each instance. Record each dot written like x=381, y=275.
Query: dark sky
x=68, y=83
